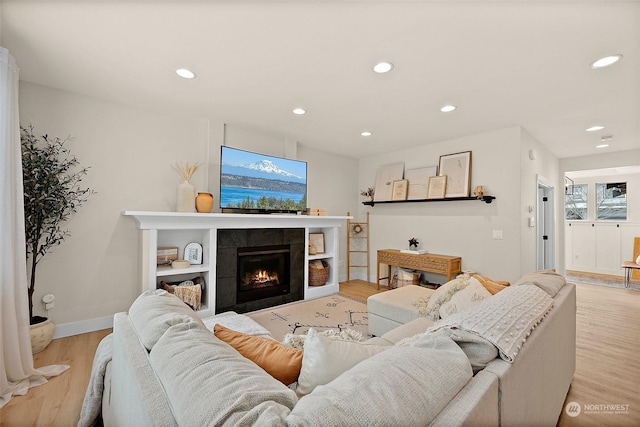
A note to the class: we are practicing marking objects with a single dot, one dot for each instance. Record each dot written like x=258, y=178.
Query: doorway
x=545, y=232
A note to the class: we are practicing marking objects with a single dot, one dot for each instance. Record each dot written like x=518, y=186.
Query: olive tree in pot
x=52, y=193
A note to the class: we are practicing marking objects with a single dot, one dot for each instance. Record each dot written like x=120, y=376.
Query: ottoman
x=388, y=310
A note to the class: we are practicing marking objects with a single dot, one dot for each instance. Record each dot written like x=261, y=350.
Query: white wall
x=544, y=166
x=95, y=272
x=462, y=228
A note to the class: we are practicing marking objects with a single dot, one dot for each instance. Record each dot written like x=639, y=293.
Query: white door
x=545, y=233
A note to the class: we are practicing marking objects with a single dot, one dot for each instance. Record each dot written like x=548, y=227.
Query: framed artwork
x=166, y=254
x=384, y=181
x=400, y=187
x=437, y=186
x=193, y=253
x=418, y=181
x=457, y=168
x=317, y=240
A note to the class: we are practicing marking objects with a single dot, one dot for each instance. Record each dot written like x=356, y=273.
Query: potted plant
x=52, y=193
x=367, y=194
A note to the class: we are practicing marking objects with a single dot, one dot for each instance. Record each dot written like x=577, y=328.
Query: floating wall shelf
x=486, y=199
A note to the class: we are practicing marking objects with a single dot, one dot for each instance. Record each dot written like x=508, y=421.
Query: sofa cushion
x=398, y=304
x=280, y=361
x=464, y=299
x=207, y=382
x=402, y=386
x=547, y=280
x=154, y=311
x=325, y=358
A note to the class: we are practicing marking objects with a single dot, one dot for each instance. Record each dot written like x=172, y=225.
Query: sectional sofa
x=508, y=360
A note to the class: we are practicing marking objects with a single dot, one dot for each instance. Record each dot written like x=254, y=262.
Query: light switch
x=496, y=234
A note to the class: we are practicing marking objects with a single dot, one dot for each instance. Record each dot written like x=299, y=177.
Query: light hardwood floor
x=607, y=372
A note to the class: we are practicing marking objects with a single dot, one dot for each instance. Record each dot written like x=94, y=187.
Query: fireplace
x=259, y=268
x=263, y=272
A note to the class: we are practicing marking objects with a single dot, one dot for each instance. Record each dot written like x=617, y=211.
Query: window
x=611, y=201
x=575, y=203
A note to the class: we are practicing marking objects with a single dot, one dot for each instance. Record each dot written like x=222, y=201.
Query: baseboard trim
x=83, y=327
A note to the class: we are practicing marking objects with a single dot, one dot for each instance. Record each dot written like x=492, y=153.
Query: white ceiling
x=503, y=63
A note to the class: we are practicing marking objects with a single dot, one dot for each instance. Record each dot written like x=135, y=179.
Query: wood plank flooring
x=607, y=373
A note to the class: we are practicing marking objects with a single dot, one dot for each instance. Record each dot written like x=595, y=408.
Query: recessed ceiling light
x=366, y=133
x=602, y=146
x=299, y=111
x=185, y=74
x=594, y=128
x=448, y=108
x=383, y=67
x=606, y=61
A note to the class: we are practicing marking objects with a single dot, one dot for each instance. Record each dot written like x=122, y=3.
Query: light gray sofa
x=168, y=370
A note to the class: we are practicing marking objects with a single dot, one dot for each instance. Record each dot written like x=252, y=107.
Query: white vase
x=186, y=197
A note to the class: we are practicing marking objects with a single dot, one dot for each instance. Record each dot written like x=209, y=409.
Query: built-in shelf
x=180, y=228
x=486, y=199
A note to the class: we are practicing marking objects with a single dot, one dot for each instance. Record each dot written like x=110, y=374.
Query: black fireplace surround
x=281, y=251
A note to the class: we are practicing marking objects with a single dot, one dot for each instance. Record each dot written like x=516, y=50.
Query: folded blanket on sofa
x=505, y=319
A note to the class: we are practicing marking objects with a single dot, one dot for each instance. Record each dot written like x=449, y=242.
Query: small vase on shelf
x=204, y=202
x=185, y=197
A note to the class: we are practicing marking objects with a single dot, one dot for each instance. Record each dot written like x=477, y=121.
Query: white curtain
x=17, y=373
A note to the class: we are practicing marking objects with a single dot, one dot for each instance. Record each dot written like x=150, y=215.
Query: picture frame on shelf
x=193, y=253
x=384, y=181
x=418, y=181
x=317, y=241
x=400, y=187
x=166, y=254
x=437, y=186
x=457, y=168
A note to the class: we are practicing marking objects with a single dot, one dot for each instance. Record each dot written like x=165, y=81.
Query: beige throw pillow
x=325, y=358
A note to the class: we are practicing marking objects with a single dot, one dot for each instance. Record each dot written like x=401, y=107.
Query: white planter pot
x=41, y=335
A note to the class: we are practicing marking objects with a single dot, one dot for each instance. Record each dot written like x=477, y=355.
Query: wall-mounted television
x=256, y=183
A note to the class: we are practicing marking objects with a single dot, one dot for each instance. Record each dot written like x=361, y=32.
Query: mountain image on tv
x=256, y=181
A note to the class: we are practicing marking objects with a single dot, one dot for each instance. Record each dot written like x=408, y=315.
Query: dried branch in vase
x=186, y=171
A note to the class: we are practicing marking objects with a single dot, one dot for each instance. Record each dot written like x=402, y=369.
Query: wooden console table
x=432, y=263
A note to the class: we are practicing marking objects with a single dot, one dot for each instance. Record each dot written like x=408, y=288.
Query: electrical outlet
x=496, y=234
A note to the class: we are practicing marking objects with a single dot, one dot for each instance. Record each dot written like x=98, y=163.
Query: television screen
x=257, y=182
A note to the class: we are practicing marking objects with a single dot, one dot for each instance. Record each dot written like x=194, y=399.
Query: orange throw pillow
x=493, y=286
x=280, y=361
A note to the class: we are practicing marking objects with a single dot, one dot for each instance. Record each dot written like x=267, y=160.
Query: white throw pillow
x=325, y=358
x=464, y=299
x=444, y=294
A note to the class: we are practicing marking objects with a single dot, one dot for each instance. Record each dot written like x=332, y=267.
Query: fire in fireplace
x=263, y=272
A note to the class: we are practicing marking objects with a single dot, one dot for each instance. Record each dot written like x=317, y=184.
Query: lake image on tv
x=253, y=181
x=233, y=196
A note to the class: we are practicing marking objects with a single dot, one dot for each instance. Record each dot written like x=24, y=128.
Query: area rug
x=337, y=311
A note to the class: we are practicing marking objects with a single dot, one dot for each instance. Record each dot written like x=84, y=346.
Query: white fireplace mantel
x=177, y=229
x=191, y=221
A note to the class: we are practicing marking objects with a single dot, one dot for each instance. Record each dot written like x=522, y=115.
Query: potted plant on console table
x=52, y=193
